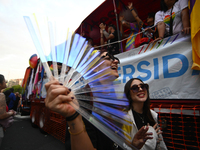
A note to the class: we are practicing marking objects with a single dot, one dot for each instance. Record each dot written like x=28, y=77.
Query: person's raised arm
x=58, y=99
x=185, y=20
x=106, y=34
x=137, y=18
x=101, y=38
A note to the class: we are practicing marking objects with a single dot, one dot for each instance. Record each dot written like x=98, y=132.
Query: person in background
x=150, y=24
x=179, y=20
x=19, y=104
x=137, y=93
x=150, y=33
x=2, y=82
x=12, y=99
x=134, y=28
x=111, y=36
x=90, y=41
x=7, y=93
x=16, y=102
x=6, y=116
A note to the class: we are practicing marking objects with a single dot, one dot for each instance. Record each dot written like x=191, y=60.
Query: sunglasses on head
x=110, y=57
x=135, y=88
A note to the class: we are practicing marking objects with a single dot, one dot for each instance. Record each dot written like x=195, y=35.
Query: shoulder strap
x=171, y=23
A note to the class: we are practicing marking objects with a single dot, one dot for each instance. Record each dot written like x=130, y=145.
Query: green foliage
x=6, y=89
x=17, y=88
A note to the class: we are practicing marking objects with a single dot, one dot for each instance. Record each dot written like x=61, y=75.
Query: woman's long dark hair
x=163, y=6
x=1, y=78
x=146, y=107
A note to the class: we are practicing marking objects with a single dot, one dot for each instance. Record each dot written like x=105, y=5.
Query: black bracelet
x=72, y=117
x=132, y=9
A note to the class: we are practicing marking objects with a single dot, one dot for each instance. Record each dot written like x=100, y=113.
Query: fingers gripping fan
x=67, y=56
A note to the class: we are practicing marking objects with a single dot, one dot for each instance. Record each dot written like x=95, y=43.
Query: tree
x=17, y=88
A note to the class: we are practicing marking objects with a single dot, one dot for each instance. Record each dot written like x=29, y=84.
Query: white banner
x=165, y=66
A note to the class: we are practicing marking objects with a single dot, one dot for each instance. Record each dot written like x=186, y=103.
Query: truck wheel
x=33, y=120
x=42, y=123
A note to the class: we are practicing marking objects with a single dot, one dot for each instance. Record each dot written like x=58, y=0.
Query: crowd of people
x=171, y=19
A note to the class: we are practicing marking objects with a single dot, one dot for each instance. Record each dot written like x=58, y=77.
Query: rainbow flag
x=194, y=6
x=26, y=76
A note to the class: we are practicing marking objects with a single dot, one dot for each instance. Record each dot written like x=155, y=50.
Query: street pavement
x=22, y=136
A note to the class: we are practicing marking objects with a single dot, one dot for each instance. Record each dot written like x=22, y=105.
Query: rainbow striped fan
x=74, y=63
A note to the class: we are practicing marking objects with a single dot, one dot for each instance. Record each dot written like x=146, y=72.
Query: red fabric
x=26, y=76
x=139, y=40
x=7, y=108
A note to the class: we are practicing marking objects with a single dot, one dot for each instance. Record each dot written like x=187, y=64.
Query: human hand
x=130, y=5
x=157, y=39
x=139, y=22
x=158, y=131
x=12, y=112
x=186, y=30
x=141, y=137
x=149, y=30
x=58, y=98
x=102, y=26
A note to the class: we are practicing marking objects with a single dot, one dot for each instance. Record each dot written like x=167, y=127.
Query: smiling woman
x=137, y=93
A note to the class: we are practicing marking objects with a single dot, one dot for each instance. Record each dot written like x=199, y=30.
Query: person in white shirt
x=179, y=11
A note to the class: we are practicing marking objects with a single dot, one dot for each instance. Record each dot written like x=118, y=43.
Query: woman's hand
x=141, y=137
x=130, y=6
x=186, y=30
x=158, y=131
x=150, y=30
x=58, y=98
x=157, y=39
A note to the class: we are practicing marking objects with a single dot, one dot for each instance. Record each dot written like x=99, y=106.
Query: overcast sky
x=16, y=45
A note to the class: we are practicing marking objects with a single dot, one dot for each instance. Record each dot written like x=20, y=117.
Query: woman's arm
x=161, y=29
x=185, y=20
x=58, y=99
x=78, y=133
x=121, y=20
x=137, y=18
x=101, y=38
x=123, y=23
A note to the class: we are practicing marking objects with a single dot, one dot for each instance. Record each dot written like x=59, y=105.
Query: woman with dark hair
x=137, y=93
x=2, y=82
x=172, y=18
